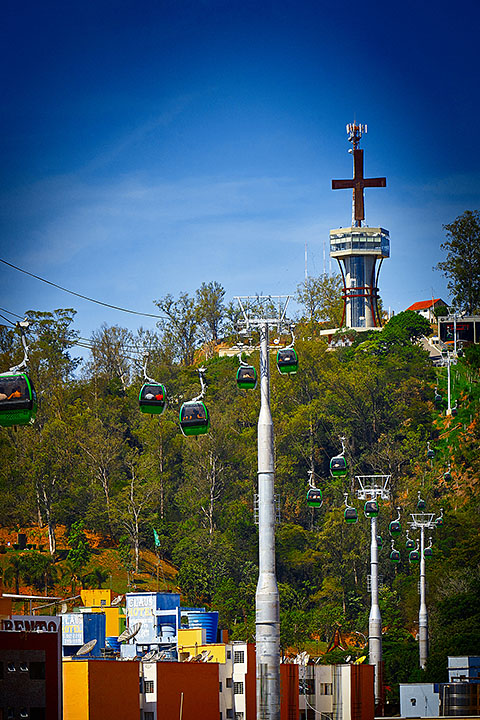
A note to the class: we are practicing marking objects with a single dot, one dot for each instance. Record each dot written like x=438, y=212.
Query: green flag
x=157, y=539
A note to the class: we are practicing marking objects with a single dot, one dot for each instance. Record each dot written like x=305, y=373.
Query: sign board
x=72, y=629
x=32, y=623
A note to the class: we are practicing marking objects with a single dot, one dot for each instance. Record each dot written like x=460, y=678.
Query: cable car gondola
x=194, y=416
x=314, y=497
x=18, y=399
x=428, y=552
x=447, y=476
x=287, y=361
x=152, y=398
x=338, y=466
x=371, y=508
x=421, y=504
x=246, y=377
x=379, y=542
x=395, y=528
x=395, y=556
x=350, y=515
x=414, y=556
x=409, y=543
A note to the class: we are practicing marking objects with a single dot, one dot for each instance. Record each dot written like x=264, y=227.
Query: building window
x=229, y=654
x=229, y=713
x=149, y=686
x=238, y=656
x=325, y=688
x=37, y=670
x=228, y=682
x=11, y=667
x=220, y=686
x=148, y=715
x=238, y=688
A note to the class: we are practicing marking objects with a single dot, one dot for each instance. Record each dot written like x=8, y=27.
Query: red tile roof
x=424, y=304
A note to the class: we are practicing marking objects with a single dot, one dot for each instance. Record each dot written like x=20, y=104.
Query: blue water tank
x=207, y=620
x=111, y=643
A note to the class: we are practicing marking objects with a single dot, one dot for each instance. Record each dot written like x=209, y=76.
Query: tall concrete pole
x=375, y=619
x=267, y=605
x=449, y=392
x=423, y=613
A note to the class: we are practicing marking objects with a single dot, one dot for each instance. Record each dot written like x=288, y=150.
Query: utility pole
x=260, y=313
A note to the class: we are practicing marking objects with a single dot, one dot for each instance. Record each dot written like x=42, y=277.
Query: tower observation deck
x=358, y=247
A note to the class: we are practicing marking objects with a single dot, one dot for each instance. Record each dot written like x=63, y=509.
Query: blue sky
x=150, y=146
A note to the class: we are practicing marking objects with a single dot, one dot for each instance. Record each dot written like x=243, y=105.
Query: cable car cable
x=84, y=297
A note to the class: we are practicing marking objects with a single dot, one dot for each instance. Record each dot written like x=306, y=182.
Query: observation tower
x=358, y=247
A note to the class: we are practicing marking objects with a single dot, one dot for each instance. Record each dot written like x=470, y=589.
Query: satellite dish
x=85, y=649
x=117, y=601
x=129, y=633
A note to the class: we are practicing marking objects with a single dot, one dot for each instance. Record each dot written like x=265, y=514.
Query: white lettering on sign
x=31, y=623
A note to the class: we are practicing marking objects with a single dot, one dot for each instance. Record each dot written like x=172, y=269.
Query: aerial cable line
x=7, y=320
x=84, y=297
x=9, y=312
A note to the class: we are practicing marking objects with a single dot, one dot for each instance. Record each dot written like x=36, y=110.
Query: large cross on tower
x=359, y=182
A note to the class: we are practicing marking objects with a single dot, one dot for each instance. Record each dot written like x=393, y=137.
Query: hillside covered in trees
x=93, y=465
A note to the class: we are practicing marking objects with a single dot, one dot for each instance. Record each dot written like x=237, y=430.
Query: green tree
x=80, y=550
x=211, y=310
x=181, y=326
x=321, y=298
x=462, y=265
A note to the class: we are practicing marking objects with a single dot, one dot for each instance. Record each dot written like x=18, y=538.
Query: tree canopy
x=462, y=264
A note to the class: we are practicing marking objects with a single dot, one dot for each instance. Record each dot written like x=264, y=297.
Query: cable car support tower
x=423, y=521
x=371, y=489
x=260, y=313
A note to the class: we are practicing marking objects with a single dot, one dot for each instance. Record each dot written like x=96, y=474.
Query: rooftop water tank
x=207, y=620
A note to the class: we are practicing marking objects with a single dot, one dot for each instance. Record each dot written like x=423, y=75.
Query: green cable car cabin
x=395, y=528
x=194, y=418
x=379, y=542
x=338, y=466
x=18, y=400
x=247, y=377
x=350, y=515
x=428, y=552
x=287, y=361
x=314, y=498
x=371, y=508
x=152, y=398
x=421, y=505
x=414, y=556
x=430, y=454
x=395, y=556
x=439, y=521
x=409, y=543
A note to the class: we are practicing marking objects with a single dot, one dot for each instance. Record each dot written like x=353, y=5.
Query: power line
x=84, y=297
